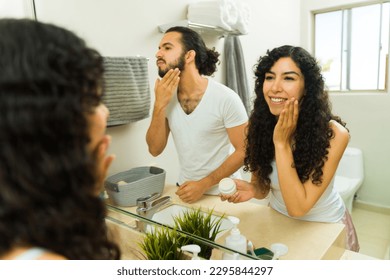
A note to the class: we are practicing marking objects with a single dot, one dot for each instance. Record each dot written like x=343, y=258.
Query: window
x=352, y=46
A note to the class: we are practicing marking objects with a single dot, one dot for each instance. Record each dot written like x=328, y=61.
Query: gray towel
x=127, y=92
x=235, y=70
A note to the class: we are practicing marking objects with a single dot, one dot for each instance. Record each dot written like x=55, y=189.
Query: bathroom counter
x=263, y=226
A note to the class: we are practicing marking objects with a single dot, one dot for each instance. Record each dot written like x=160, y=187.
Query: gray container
x=134, y=183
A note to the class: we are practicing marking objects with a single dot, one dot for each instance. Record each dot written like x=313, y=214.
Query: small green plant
x=162, y=244
x=201, y=224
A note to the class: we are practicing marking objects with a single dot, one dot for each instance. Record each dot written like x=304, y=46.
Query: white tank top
x=329, y=208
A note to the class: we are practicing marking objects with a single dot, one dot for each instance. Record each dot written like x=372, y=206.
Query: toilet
x=349, y=175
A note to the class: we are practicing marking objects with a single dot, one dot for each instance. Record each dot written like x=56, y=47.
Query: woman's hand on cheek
x=287, y=123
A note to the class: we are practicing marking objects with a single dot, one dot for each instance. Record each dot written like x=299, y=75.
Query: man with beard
x=206, y=118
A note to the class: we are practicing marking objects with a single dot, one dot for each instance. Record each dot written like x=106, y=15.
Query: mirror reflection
x=131, y=31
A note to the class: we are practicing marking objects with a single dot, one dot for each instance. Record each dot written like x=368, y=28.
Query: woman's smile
x=282, y=82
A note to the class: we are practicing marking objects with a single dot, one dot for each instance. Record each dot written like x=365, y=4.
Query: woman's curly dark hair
x=313, y=133
x=206, y=59
x=50, y=81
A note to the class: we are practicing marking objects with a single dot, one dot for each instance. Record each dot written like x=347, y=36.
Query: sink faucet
x=149, y=205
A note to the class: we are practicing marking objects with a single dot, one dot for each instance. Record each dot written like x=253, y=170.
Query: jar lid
x=227, y=186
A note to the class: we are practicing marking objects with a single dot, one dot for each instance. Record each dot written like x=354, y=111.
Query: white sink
x=165, y=216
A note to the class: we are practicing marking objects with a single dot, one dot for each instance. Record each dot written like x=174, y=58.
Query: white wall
x=129, y=27
x=367, y=116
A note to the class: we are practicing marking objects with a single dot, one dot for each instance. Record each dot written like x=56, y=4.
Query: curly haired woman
x=53, y=145
x=294, y=142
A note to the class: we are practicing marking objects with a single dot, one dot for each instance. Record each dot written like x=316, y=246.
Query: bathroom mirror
x=125, y=36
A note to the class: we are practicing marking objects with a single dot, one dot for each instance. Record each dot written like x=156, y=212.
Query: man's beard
x=179, y=64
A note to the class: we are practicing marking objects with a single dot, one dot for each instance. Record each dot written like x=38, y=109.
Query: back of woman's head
x=205, y=59
x=50, y=80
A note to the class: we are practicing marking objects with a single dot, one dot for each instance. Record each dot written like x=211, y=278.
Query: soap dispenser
x=235, y=240
x=194, y=249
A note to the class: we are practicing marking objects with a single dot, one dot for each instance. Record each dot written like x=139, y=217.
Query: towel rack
x=199, y=27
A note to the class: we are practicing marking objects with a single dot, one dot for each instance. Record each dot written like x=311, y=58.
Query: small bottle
x=227, y=186
x=235, y=240
x=194, y=249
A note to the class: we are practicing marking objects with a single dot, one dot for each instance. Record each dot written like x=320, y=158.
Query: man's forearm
x=227, y=168
x=157, y=134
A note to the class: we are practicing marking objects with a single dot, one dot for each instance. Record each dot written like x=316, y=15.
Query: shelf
x=200, y=28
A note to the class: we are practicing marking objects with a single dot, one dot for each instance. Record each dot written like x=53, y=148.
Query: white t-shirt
x=329, y=208
x=201, y=139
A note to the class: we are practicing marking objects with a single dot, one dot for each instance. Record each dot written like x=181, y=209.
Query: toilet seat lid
x=344, y=184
